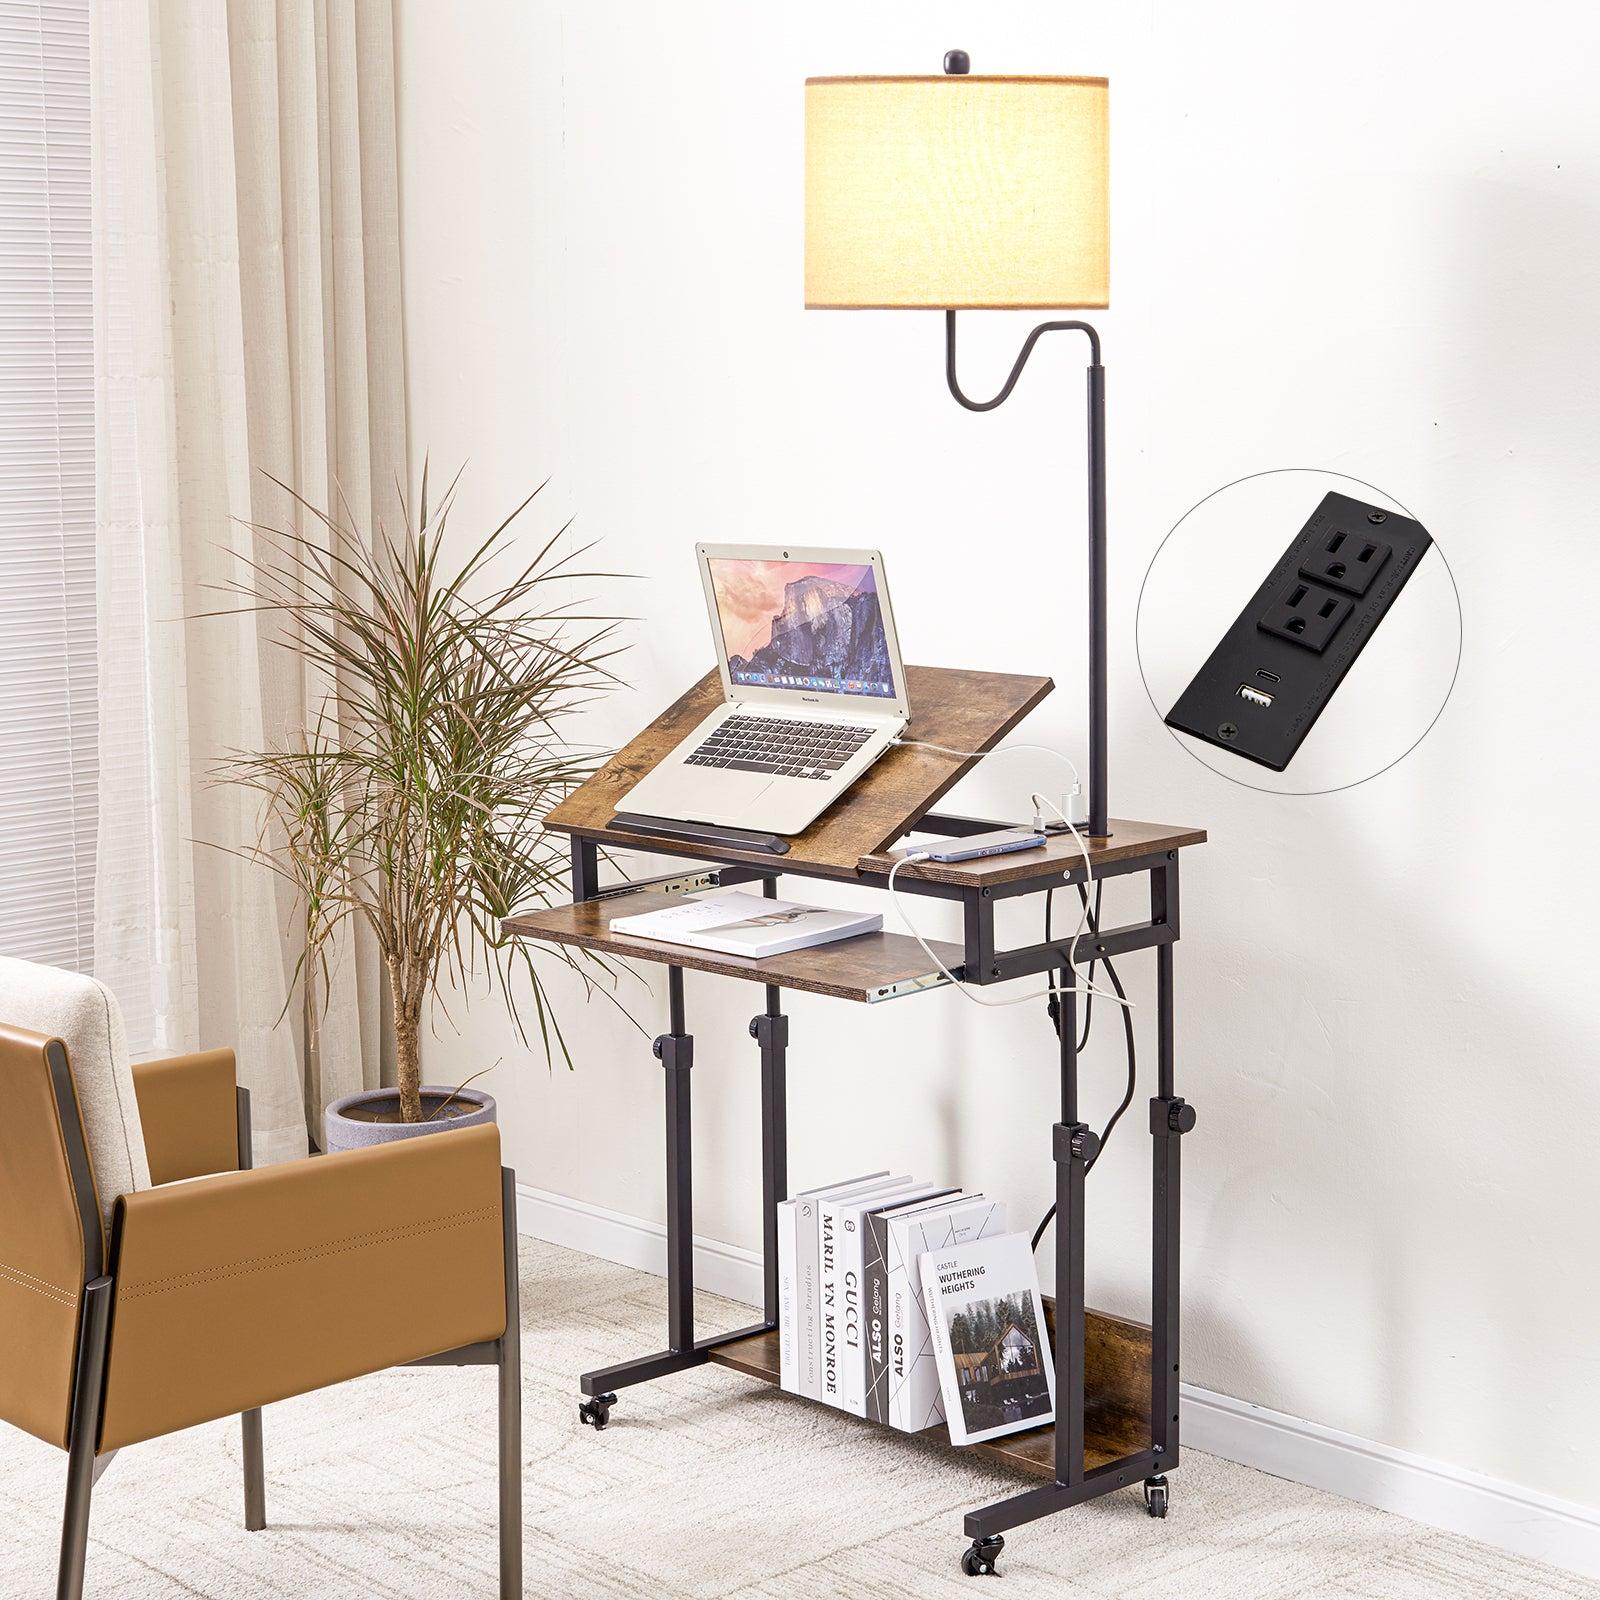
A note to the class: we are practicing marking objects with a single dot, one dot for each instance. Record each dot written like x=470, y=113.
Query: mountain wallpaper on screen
x=825, y=629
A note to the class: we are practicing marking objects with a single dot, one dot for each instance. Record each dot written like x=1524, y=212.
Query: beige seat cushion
x=83, y=1014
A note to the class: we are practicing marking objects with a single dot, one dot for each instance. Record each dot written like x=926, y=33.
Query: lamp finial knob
x=957, y=63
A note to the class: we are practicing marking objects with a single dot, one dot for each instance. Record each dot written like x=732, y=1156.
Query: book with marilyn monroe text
x=839, y=1314
x=799, y=1292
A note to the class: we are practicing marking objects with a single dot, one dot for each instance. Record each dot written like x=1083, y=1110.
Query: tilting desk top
x=963, y=710
x=852, y=838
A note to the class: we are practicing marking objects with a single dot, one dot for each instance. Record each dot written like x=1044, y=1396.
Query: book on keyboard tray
x=738, y=924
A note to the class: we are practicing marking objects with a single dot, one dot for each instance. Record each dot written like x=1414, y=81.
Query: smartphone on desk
x=999, y=843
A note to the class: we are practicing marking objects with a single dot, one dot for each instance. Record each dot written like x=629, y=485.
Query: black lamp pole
x=957, y=64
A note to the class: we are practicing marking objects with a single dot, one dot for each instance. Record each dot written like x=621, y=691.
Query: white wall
x=1350, y=237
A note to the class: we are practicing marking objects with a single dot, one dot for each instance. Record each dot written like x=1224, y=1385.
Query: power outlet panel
x=1262, y=689
x=1306, y=614
x=1347, y=561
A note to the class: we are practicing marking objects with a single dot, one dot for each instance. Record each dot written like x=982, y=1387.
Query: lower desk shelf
x=870, y=967
x=1116, y=1386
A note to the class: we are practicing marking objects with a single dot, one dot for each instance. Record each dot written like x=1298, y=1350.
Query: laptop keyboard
x=780, y=745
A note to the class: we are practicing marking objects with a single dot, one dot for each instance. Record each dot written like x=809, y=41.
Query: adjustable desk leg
x=1170, y=1118
x=771, y=1031
x=1074, y=1147
x=675, y=1051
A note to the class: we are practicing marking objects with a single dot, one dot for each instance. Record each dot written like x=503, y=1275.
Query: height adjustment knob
x=1181, y=1117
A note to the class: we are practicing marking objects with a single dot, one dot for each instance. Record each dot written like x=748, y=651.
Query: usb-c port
x=1267, y=677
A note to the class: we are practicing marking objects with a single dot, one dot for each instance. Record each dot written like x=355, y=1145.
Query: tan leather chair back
x=70, y=1143
x=52, y=1239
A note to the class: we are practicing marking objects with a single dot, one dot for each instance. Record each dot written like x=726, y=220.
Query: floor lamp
x=963, y=193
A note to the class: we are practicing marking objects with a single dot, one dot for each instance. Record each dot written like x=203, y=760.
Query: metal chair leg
x=510, y=1365
x=75, y=1528
x=74, y=1536
x=87, y=1385
x=255, y=1471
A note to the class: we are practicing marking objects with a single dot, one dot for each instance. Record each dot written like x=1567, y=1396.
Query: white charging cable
x=1081, y=984
x=1000, y=750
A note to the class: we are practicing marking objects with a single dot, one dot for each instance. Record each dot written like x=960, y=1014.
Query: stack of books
x=853, y=1316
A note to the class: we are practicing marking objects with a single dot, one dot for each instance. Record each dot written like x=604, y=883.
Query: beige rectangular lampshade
x=957, y=191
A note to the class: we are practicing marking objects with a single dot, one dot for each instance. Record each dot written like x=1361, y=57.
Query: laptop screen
x=802, y=625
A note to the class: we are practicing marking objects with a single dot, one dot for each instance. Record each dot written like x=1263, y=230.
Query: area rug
x=706, y=1485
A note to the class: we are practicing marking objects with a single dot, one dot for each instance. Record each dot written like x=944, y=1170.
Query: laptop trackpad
x=727, y=799
x=737, y=792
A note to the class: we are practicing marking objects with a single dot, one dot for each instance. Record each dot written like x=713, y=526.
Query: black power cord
x=1093, y=918
x=1058, y=980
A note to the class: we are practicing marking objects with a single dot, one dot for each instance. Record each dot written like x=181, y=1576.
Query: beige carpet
x=705, y=1484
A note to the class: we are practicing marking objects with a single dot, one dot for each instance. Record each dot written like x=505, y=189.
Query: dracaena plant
x=413, y=801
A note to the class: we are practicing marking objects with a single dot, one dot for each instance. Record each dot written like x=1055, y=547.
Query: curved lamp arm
x=1021, y=361
x=1099, y=823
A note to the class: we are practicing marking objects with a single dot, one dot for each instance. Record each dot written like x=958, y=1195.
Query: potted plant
x=414, y=801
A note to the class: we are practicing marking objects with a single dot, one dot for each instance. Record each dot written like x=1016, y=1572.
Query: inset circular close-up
x=1299, y=631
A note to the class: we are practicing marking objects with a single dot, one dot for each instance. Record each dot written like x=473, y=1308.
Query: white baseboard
x=1522, y=1521
x=722, y=1269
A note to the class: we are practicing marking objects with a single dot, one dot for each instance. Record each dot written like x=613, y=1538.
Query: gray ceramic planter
x=349, y=1124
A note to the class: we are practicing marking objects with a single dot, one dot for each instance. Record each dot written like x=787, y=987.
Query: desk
x=1116, y=1381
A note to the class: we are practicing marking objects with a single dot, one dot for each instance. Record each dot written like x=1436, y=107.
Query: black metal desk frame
x=1074, y=1145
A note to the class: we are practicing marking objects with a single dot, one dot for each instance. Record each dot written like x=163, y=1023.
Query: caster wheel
x=980, y=1556
x=1155, y=1496
x=596, y=1412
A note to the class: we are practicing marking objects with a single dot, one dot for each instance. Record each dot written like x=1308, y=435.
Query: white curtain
x=247, y=322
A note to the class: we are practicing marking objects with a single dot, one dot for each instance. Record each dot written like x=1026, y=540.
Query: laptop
x=813, y=690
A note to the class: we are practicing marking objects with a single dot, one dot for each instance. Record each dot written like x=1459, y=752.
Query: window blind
x=48, y=774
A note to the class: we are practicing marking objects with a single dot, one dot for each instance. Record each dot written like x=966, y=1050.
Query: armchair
x=150, y=1280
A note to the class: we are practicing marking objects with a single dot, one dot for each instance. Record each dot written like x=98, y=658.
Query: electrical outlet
x=1348, y=561
x=1262, y=689
x=1306, y=613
